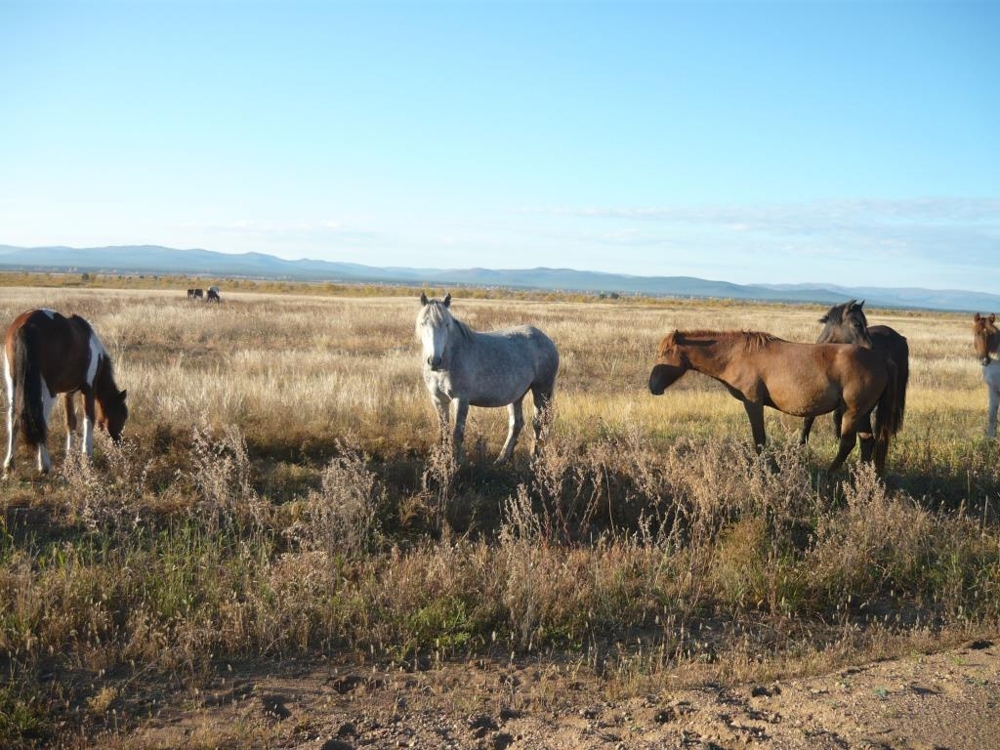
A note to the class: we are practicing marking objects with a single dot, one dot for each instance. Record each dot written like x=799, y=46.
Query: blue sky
x=849, y=142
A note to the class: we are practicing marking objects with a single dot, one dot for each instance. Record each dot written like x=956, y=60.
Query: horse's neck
x=711, y=359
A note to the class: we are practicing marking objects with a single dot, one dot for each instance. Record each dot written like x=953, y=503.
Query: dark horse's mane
x=752, y=340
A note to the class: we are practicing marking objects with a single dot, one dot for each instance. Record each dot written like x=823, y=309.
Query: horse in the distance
x=847, y=324
x=986, y=340
x=46, y=354
x=213, y=295
x=804, y=380
x=464, y=368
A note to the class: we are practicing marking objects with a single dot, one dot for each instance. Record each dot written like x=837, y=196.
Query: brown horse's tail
x=27, y=376
x=888, y=416
x=902, y=361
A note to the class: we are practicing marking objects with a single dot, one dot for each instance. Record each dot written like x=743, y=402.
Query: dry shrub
x=222, y=475
x=342, y=518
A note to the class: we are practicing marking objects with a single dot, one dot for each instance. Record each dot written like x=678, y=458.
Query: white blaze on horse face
x=434, y=339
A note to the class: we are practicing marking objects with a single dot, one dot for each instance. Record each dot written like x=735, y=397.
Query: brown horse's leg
x=848, y=438
x=807, y=425
x=755, y=413
x=867, y=438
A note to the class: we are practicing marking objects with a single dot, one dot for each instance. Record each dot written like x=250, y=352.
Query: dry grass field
x=279, y=500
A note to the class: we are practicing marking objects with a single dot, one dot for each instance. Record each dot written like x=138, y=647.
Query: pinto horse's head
x=112, y=413
x=434, y=326
x=671, y=363
x=984, y=336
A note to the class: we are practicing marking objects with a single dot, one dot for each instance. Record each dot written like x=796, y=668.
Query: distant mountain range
x=154, y=259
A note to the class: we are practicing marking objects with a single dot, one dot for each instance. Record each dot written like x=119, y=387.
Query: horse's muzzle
x=662, y=377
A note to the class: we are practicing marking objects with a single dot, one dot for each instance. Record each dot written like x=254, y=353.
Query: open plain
x=280, y=555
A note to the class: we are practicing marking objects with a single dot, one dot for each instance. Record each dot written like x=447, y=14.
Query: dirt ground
x=944, y=700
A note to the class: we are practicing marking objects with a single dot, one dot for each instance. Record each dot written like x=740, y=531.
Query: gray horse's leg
x=461, y=408
x=515, y=422
x=991, y=413
x=542, y=415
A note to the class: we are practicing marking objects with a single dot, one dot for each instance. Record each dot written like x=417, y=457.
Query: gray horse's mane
x=438, y=314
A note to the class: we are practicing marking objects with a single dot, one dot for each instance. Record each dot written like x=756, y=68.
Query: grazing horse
x=986, y=340
x=463, y=368
x=213, y=295
x=803, y=380
x=846, y=324
x=196, y=293
x=190, y=293
x=46, y=354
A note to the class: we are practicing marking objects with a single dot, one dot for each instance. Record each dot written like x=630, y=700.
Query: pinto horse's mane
x=752, y=340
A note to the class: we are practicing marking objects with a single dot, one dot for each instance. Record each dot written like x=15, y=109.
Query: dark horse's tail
x=901, y=358
x=888, y=416
x=28, y=386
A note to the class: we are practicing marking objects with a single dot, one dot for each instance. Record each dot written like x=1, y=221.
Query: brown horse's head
x=112, y=413
x=670, y=364
x=984, y=336
x=846, y=324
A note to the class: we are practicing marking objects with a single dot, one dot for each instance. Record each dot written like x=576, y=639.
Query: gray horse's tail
x=27, y=377
x=887, y=416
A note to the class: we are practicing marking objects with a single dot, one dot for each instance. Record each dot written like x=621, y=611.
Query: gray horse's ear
x=861, y=304
x=447, y=299
x=423, y=298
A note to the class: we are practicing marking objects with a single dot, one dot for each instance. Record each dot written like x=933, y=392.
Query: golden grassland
x=280, y=492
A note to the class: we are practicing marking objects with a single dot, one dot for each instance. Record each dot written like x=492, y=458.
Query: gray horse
x=464, y=368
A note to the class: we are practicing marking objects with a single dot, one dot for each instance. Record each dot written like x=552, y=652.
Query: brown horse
x=46, y=354
x=804, y=380
x=986, y=341
x=847, y=324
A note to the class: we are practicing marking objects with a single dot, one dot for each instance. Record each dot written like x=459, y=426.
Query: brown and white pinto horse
x=46, y=354
x=804, y=380
x=986, y=341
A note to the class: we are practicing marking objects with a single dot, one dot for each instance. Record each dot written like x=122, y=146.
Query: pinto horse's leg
x=461, y=407
x=67, y=399
x=12, y=426
x=44, y=460
x=755, y=412
x=515, y=422
x=88, y=424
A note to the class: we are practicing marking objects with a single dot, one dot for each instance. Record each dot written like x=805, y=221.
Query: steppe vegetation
x=280, y=493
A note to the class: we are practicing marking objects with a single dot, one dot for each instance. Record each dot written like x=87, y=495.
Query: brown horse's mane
x=753, y=341
x=985, y=324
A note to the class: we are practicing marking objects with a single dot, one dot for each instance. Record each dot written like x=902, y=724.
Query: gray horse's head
x=435, y=325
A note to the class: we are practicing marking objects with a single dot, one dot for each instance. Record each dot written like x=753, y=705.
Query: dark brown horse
x=986, y=341
x=46, y=354
x=804, y=380
x=847, y=324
